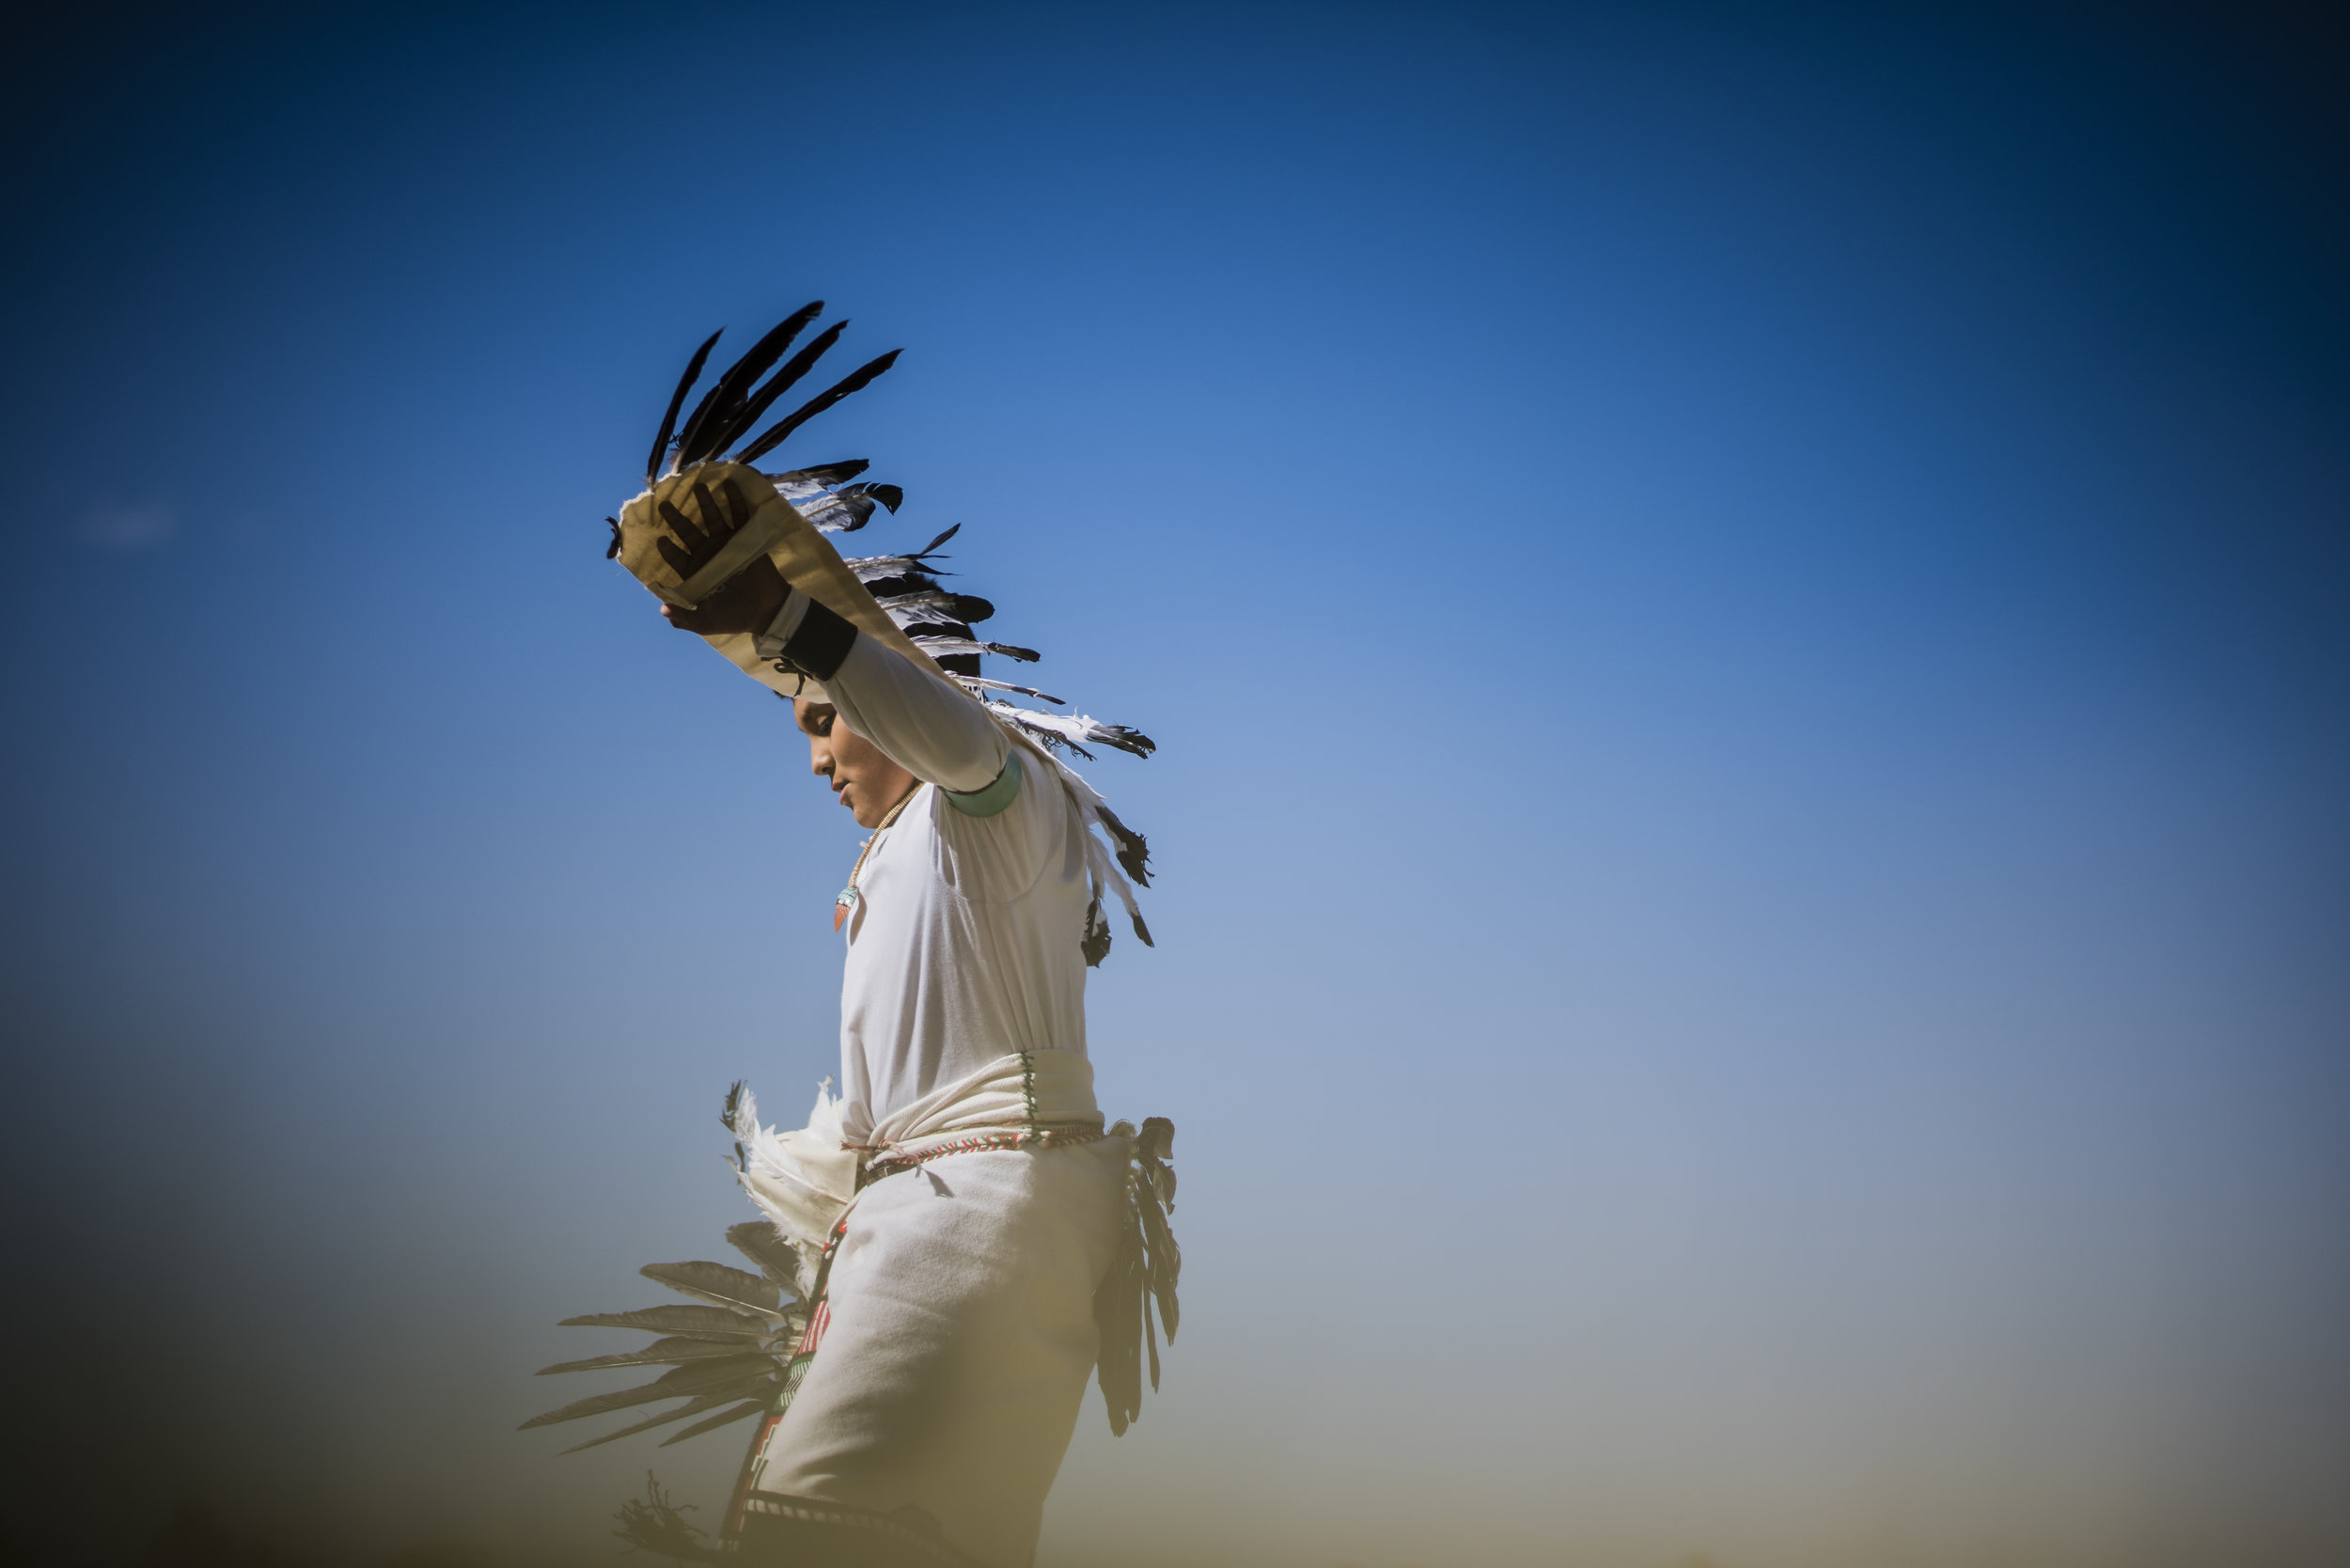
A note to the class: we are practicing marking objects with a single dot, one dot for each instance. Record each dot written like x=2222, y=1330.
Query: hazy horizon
x=1743, y=609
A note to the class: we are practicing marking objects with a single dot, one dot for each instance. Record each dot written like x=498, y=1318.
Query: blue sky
x=1741, y=608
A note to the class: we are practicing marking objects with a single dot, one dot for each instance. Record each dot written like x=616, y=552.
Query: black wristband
x=819, y=642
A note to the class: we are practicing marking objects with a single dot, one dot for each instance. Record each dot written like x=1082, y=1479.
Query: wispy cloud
x=126, y=529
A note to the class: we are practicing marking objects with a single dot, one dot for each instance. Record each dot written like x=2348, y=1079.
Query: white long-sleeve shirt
x=964, y=945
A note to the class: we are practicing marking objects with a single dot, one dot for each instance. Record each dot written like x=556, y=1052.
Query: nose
x=819, y=756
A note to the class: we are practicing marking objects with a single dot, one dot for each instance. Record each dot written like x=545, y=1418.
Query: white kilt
x=953, y=1341
x=957, y=1343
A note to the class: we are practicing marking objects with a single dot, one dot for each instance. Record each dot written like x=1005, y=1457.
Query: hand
x=749, y=602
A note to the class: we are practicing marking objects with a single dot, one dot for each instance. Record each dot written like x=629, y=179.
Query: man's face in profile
x=861, y=774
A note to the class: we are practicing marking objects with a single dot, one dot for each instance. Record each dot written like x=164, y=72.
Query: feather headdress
x=899, y=600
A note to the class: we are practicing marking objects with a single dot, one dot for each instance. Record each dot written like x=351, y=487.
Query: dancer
x=956, y=1238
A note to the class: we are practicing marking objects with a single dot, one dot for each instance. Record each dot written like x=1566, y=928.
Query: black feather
x=744, y=417
x=1125, y=738
x=696, y=419
x=827, y=473
x=925, y=640
x=613, y=549
x=677, y=400
x=705, y=433
x=1095, y=944
x=742, y=406
x=889, y=588
x=863, y=376
x=1133, y=850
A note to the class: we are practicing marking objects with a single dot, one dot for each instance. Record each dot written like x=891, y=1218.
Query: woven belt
x=898, y=1157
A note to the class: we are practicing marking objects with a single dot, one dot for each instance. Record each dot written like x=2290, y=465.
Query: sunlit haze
x=1743, y=611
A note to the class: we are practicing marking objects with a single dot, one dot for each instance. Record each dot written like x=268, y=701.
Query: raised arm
x=926, y=727
x=923, y=725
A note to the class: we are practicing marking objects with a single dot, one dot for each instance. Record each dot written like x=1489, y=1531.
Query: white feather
x=920, y=596
x=873, y=569
x=1076, y=728
x=976, y=685
x=941, y=647
x=768, y=1156
x=870, y=569
x=1101, y=860
x=907, y=610
x=820, y=505
x=1068, y=727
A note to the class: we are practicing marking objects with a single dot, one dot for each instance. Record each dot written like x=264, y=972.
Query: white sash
x=805, y=1180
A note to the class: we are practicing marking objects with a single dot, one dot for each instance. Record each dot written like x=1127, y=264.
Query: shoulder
x=1004, y=849
x=993, y=798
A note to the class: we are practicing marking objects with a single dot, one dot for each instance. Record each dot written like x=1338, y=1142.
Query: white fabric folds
x=957, y=1337
x=805, y=1179
x=953, y=1330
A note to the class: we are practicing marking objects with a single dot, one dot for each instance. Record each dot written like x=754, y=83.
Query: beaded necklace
x=845, y=904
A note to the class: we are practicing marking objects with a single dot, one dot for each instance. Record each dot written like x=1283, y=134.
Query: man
x=967, y=1229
